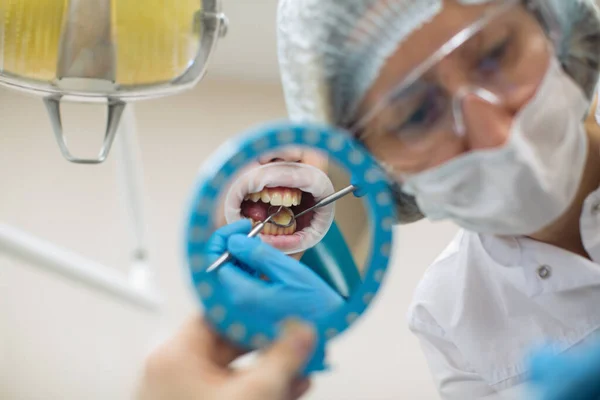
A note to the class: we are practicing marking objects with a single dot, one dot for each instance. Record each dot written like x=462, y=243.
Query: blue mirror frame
x=239, y=327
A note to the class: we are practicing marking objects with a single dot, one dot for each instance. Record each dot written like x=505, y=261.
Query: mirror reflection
x=309, y=258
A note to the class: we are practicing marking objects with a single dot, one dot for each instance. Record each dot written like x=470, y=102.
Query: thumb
x=280, y=366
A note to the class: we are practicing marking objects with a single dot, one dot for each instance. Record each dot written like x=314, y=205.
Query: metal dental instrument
x=253, y=233
x=275, y=210
x=321, y=203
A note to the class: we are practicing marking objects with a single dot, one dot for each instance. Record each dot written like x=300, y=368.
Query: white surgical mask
x=523, y=186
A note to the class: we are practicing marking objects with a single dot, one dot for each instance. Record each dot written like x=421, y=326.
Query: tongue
x=256, y=211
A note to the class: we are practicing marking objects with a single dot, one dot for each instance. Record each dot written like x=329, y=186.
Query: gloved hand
x=362, y=186
x=574, y=376
x=360, y=191
x=292, y=289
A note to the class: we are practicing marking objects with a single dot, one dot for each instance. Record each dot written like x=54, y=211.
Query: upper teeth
x=277, y=197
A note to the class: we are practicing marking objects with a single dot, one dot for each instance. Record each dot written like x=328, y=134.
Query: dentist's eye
x=423, y=118
x=419, y=117
x=493, y=58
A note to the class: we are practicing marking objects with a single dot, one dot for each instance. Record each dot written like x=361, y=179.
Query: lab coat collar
x=536, y=268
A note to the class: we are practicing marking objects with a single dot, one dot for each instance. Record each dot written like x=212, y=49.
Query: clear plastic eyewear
x=496, y=71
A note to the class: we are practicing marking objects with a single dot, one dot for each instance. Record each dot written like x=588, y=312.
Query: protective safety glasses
x=109, y=51
x=500, y=57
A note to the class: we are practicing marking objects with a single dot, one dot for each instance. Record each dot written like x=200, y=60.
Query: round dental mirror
x=321, y=215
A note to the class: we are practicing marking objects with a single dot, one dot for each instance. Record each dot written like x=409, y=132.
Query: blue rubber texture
x=250, y=331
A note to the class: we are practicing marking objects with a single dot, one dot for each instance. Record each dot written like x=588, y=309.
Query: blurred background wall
x=62, y=341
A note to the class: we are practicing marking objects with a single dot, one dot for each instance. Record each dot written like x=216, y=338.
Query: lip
x=305, y=177
x=283, y=242
x=282, y=174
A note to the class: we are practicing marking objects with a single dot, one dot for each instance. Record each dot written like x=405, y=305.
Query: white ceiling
x=249, y=49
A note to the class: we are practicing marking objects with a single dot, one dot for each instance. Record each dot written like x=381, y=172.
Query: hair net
x=331, y=52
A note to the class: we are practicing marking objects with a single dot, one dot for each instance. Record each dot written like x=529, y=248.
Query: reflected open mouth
x=255, y=207
x=294, y=186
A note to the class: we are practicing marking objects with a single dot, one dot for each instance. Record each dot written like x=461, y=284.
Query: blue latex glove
x=292, y=289
x=362, y=186
x=359, y=192
x=573, y=376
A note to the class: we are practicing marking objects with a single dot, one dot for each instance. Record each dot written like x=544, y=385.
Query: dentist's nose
x=290, y=154
x=486, y=125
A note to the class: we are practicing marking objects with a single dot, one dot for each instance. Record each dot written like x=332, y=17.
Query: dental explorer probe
x=321, y=203
x=329, y=199
x=253, y=233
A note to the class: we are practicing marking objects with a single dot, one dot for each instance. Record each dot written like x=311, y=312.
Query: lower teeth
x=274, y=230
x=285, y=217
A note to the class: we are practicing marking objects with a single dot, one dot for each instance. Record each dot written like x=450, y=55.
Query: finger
x=285, y=360
x=218, y=241
x=242, y=226
x=267, y=259
x=299, y=388
x=359, y=190
x=316, y=363
x=242, y=288
x=198, y=338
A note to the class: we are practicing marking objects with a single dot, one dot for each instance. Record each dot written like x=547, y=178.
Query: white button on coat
x=544, y=272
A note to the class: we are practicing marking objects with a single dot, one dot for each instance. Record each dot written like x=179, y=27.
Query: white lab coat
x=487, y=302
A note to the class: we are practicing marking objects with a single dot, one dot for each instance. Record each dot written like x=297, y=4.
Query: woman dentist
x=479, y=110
